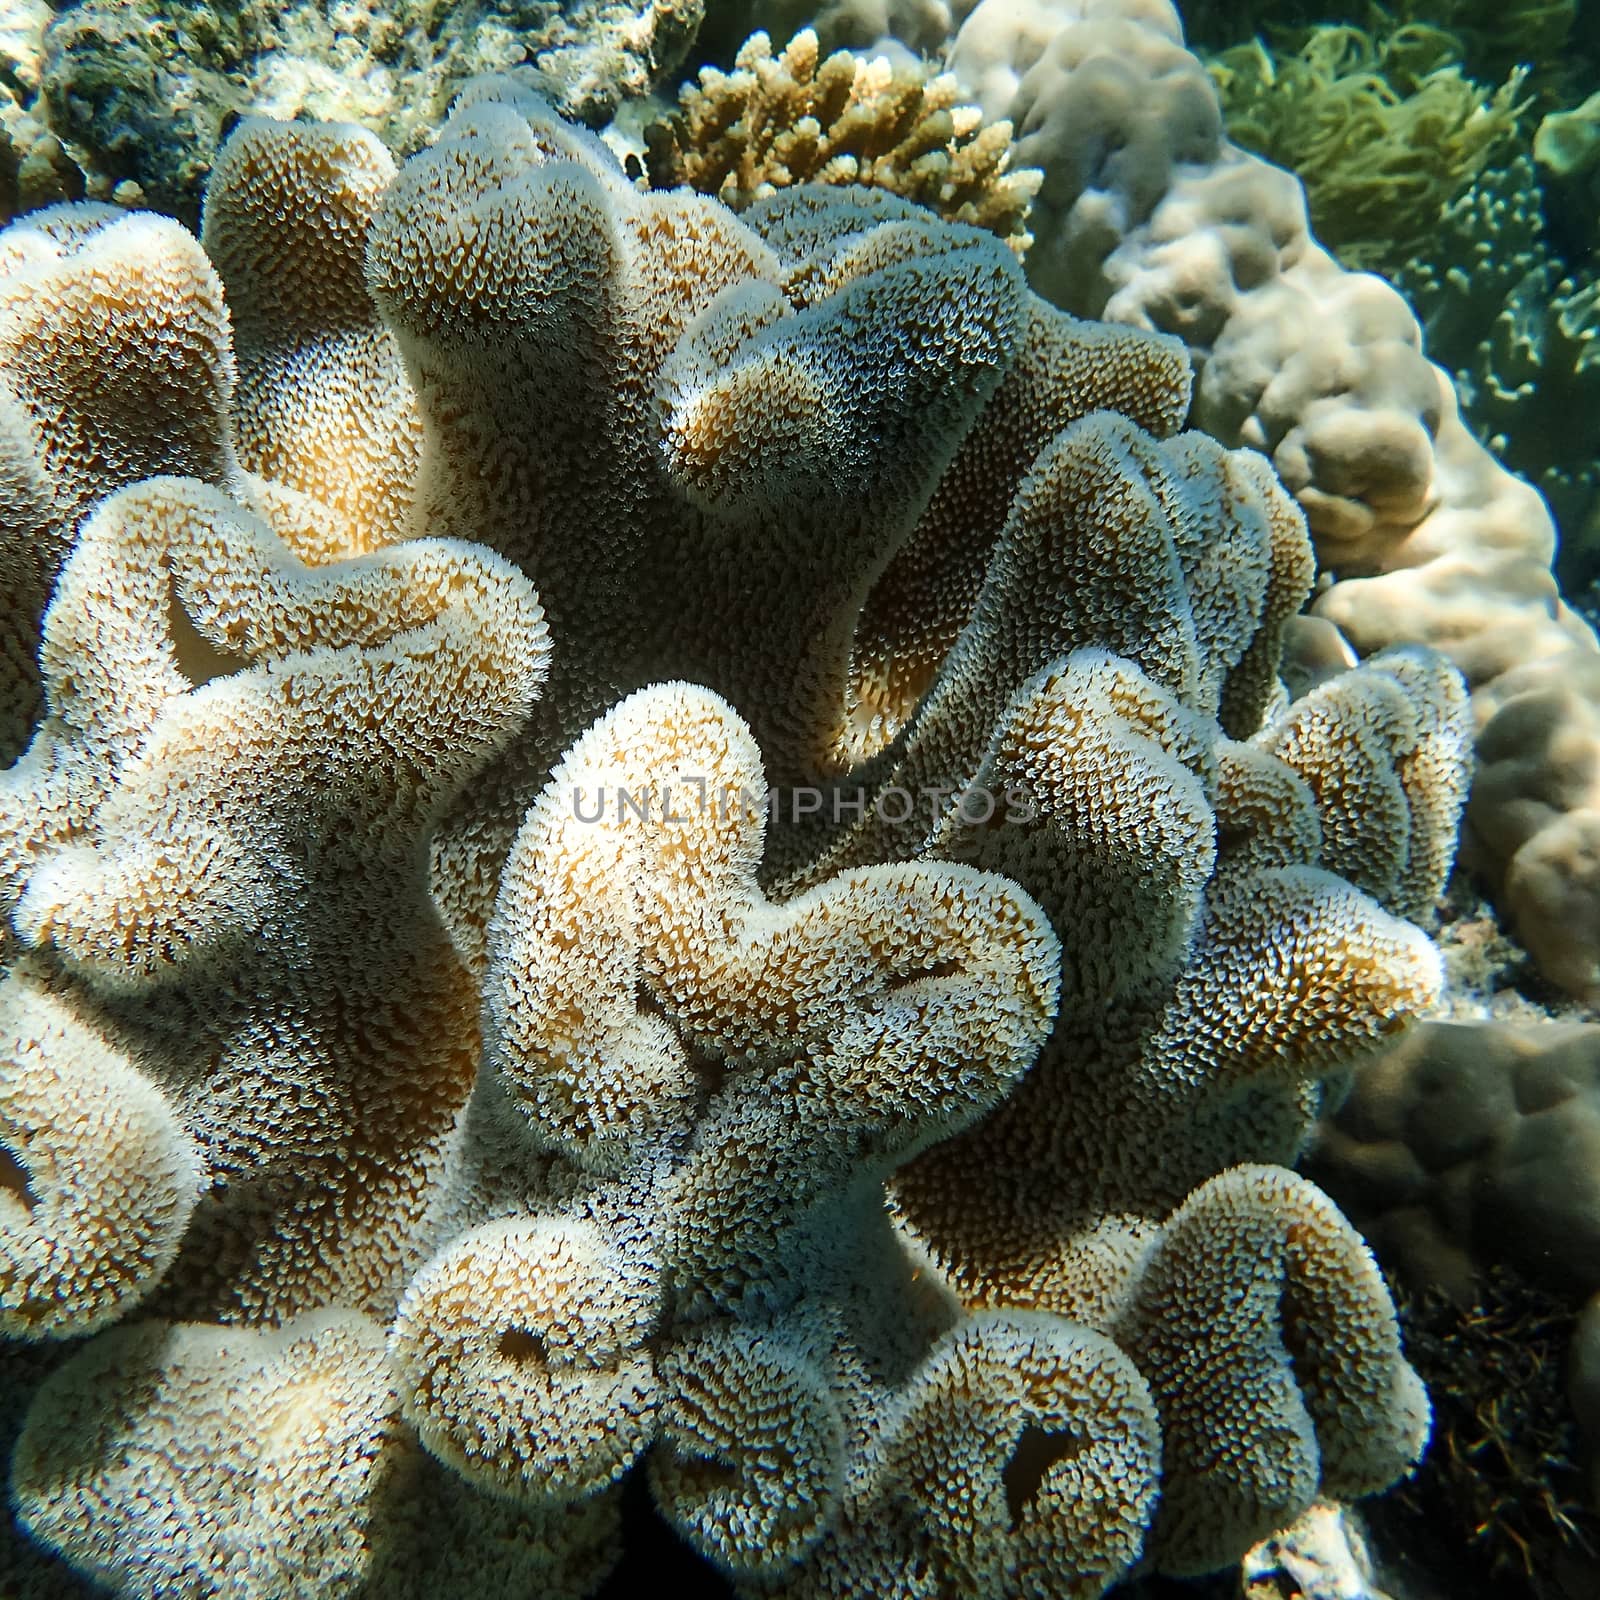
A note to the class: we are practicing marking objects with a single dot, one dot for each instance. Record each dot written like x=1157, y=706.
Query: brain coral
x=812, y=1007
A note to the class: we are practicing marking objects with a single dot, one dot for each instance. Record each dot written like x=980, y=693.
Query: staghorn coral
x=791, y=1158
x=776, y=121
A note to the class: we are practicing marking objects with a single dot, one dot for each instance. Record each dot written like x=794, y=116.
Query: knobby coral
x=815, y=1004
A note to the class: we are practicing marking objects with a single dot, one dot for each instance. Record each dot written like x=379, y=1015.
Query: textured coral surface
x=1148, y=214
x=657, y=842
x=795, y=118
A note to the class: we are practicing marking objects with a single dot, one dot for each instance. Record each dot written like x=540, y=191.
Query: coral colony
x=658, y=837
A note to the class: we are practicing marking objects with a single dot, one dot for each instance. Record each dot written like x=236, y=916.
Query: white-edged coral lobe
x=659, y=842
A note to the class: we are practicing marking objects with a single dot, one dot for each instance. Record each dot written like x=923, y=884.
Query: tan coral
x=1020, y=1458
x=107, y=322
x=281, y=1471
x=792, y=118
x=323, y=405
x=163, y=845
x=855, y=1024
x=313, y=1400
x=1388, y=793
x=522, y=1363
x=1262, y=1316
x=1149, y=216
x=648, y=1215
x=98, y=1178
x=688, y=385
x=751, y=1458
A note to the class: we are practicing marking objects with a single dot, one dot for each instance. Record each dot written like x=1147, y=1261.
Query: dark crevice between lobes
x=197, y=658
x=1036, y=1452
x=523, y=1345
x=14, y=1180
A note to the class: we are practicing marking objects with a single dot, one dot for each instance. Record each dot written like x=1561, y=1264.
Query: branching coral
x=814, y=1006
x=777, y=121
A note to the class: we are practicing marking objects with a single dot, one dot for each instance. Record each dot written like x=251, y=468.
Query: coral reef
x=543, y=1037
x=1521, y=332
x=1470, y=1155
x=36, y=167
x=793, y=119
x=148, y=89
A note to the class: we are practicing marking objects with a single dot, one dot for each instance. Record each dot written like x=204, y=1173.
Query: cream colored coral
x=268, y=1464
x=97, y=1177
x=644, y=1213
x=161, y=843
x=522, y=1362
x=1388, y=793
x=1044, y=1438
x=1064, y=370
x=323, y=405
x=1148, y=215
x=688, y=386
x=892, y=999
x=750, y=1462
x=631, y=948
x=288, y=1514
x=114, y=365
x=793, y=118
x=1262, y=1316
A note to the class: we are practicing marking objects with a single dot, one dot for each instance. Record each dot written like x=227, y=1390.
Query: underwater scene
x=800, y=799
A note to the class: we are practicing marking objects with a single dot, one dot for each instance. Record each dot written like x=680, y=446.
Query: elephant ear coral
x=620, y=1002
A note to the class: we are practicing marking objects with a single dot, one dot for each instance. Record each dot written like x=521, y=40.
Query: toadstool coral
x=812, y=1007
x=1148, y=215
